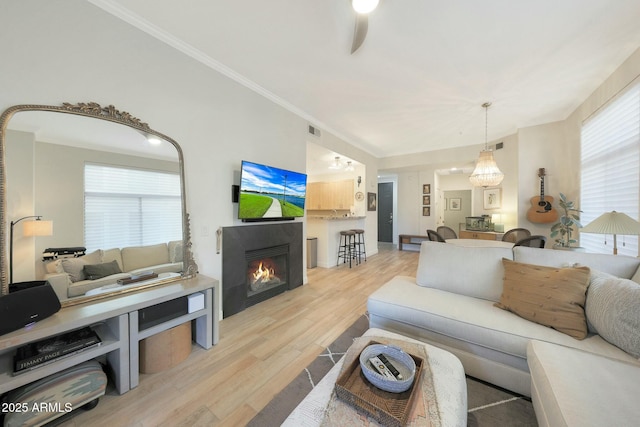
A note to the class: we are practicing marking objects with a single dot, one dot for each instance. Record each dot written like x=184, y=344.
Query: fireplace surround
x=259, y=262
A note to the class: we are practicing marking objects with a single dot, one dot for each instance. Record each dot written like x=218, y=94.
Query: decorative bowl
x=403, y=362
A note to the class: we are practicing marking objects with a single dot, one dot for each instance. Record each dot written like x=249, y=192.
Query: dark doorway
x=385, y=212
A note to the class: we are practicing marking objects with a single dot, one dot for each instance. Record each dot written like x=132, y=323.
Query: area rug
x=488, y=405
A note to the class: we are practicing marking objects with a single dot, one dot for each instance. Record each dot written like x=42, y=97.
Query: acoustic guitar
x=542, y=210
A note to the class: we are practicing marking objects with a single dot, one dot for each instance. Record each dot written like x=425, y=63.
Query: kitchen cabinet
x=330, y=195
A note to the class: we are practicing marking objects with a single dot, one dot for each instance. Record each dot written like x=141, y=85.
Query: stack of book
x=36, y=354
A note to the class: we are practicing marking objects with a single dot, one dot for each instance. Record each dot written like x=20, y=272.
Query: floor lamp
x=613, y=223
x=36, y=227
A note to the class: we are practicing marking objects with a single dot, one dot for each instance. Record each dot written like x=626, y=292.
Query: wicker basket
x=391, y=409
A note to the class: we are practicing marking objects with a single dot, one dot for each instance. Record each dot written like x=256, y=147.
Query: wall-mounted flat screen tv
x=269, y=193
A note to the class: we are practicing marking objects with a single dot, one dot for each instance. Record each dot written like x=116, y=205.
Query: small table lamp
x=36, y=227
x=613, y=223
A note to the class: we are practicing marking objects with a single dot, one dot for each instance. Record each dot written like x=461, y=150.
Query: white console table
x=113, y=319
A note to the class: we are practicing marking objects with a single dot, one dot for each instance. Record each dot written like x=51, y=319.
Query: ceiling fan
x=362, y=8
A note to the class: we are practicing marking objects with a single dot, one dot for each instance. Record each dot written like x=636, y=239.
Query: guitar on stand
x=542, y=210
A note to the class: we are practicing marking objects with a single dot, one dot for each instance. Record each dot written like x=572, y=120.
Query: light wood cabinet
x=315, y=190
x=330, y=195
x=479, y=235
x=342, y=194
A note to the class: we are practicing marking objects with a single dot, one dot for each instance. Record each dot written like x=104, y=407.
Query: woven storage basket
x=390, y=409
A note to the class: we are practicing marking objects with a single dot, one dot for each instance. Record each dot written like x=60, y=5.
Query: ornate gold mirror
x=109, y=184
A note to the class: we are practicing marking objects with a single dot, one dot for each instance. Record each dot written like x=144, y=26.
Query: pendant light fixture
x=486, y=173
x=335, y=165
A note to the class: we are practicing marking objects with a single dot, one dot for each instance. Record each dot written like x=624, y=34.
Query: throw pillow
x=613, y=308
x=550, y=296
x=54, y=267
x=94, y=257
x=74, y=267
x=98, y=271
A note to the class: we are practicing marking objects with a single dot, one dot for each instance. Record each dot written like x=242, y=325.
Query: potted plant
x=570, y=217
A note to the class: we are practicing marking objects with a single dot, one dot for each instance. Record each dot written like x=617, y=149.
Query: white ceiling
x=424, y=70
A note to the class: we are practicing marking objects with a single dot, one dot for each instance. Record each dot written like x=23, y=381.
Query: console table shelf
x=112, y=319
x=410, y=239
x=204, y=333
x=110, y=343
x=146, y=333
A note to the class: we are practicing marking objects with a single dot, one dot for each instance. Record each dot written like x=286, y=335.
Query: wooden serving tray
x=391, y=409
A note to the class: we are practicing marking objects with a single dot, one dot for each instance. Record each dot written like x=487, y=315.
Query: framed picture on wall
x=492, y=198
x=371, y=201
x=426, y=189
x=455, y=204
x=426, y=200
x=426, y=211
x=446, y=204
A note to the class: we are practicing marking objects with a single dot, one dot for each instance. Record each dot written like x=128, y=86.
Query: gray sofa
x=69, y=277
x=450, y=304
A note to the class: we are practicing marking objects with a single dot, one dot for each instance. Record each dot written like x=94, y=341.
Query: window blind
x=610, y=170
x=130, y=207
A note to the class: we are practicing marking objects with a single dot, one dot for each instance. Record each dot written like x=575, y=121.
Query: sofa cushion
x=98, y=271
x=172, y=267
x=613, y=309
x=570, y=387
x=441, y=264
x=54, y=267
x=136, y=257
x=470, y=322
x=550, y=296
x=111, y=255
x=618, y=265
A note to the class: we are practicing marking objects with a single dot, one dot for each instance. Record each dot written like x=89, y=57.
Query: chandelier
x=486, y=173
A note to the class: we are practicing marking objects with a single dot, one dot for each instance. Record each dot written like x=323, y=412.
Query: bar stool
x=346, y=246
x=359, y=246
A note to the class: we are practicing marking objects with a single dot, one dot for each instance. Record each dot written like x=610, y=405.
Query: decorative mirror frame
x=109, y=113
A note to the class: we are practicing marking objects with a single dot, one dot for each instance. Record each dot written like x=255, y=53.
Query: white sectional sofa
x=450, y=304
x=71, y=277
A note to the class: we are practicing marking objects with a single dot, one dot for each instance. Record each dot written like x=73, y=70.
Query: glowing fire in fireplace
x=264, y=275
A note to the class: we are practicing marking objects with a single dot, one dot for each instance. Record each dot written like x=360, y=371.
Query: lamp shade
x=37, y=228
x=613, y=223
x=486, y=173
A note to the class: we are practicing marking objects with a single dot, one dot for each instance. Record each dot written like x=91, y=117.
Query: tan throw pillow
x=550, y=296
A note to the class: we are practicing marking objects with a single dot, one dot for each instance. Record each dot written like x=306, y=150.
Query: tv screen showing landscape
x=267, y=192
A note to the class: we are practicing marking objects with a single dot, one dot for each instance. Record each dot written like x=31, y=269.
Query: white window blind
x=610, y=170
x=130, y=207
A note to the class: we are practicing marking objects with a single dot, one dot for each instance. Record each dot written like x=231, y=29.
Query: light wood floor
x=260, y=351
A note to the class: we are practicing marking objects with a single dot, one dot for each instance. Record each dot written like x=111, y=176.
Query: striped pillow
x=613, y=309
